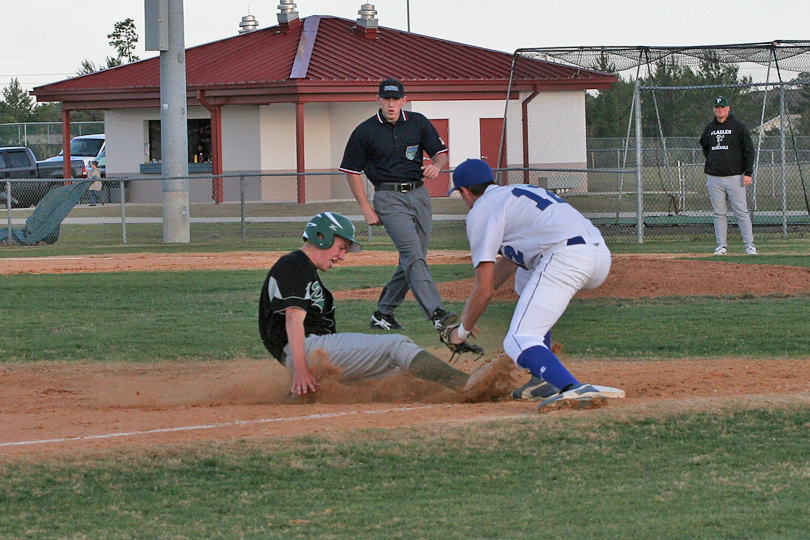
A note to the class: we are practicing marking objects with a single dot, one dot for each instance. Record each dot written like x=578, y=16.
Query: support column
x=299, y=152
x=524, y=109
x=216, y=147
x=67, y=172
x=216, y=142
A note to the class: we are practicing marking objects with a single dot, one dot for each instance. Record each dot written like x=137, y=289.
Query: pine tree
x=16, y=102
x=123, y=40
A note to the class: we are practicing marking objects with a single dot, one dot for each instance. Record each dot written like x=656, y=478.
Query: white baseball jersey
x=522, y=222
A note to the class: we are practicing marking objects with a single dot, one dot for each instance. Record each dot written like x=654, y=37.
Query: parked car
x=18, y=163
x=85, y=147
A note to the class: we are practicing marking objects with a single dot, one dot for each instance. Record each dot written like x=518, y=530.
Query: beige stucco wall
x=262, y=139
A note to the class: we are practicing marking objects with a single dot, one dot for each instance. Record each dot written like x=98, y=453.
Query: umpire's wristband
x=463, y=333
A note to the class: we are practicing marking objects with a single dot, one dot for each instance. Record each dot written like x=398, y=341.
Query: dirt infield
x=53, y=407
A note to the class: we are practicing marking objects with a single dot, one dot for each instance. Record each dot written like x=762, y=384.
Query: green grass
x=687, y=327
x=738, y=474
x=148, y=316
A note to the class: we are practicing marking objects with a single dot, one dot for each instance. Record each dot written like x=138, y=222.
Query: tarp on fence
x=43, y=224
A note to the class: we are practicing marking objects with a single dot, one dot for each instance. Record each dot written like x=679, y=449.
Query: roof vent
x=287, y=12
x=368, y=20
x=248, y=24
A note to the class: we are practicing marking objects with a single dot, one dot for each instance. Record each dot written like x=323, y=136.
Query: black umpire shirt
x=391, y=152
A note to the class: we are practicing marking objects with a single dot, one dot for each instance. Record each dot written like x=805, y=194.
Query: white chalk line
x=219, y=425
x=59, y=258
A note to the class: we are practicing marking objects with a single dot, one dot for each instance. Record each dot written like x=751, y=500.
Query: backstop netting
x=636, y=169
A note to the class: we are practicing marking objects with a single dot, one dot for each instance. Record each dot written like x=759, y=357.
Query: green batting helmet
x=322, y=229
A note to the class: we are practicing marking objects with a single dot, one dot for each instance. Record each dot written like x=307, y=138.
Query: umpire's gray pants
x=732, y=187
x=407, y=218
x=361, y=356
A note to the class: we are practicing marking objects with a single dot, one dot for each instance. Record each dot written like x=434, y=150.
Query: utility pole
x=165, y=32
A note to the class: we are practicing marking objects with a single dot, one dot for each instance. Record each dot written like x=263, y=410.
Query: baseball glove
x=458, y=348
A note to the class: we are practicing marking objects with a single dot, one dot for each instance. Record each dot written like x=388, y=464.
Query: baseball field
x=138, y=402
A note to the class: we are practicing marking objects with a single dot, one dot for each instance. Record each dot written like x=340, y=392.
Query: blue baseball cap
x=470, y=173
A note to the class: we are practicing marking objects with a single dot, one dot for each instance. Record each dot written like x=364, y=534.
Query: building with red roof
x=286, y=98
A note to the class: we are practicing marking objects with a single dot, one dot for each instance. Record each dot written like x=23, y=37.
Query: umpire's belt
x=575, y=241
x=403, y=187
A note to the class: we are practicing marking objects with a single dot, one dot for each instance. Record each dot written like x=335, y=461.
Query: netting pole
x=793, y=140
x=784, y=159
x=627, y=146
x=502, y=157
x=666, y=157
x=759, y=144
x=639, y=163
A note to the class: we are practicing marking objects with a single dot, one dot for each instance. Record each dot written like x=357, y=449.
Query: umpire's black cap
x=391, y=88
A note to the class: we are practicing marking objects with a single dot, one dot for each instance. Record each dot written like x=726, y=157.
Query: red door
x=438, y=186
x=491, y=130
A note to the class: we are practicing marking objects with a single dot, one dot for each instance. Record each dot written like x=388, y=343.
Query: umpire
x=388, y=147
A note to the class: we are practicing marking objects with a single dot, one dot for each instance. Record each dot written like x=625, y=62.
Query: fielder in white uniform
x=552, y=250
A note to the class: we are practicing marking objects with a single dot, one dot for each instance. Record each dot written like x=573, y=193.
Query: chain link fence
x=262, y=209
x=258, y=209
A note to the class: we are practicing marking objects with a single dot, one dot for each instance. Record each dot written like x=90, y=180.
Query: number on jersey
x=538, y=195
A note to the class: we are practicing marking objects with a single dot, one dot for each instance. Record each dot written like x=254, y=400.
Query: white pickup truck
x=85, y=147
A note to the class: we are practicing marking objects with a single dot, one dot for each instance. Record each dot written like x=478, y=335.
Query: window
x=199, y=141
x=17, y=159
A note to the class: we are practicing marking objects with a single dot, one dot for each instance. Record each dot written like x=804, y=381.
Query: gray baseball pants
x=732, y=187
x=361, y=356
x=407, y=218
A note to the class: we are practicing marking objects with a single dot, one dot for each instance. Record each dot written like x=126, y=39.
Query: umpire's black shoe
x=442, y=319
x=379, y=321
x=535, y=390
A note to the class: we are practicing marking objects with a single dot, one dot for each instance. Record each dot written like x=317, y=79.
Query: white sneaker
x=750, y=250
x=583, y=396
x=537, y=390
x=721, y=250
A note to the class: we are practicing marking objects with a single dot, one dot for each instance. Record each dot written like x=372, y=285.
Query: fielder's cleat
x=609, y=392
x=379, y=321
x=535, y=390
x=580, y=397
x=720, y=250
x=442, y=319
x=750, y=250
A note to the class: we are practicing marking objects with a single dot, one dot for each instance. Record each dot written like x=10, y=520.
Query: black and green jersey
x=293, y=282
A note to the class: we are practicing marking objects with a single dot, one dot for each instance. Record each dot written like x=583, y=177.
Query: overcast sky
x=45, y=41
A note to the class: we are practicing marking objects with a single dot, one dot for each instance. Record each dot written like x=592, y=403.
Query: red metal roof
x=322, y=58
